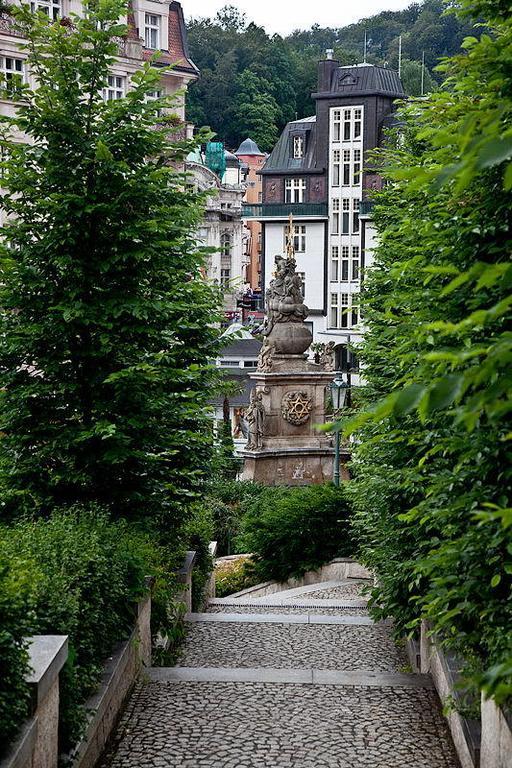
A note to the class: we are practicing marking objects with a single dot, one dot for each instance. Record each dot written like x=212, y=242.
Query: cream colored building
x=152, y=26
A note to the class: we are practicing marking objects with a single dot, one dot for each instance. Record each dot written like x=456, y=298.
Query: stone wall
x=480, y=743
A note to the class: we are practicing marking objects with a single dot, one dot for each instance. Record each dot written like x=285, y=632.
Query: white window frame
x=302, y=276
x=347, y=124
x=299, y=238
x=336, y=162
x=51, y=8
x=355, y=263
x=225, y=277
x=345, y=264
x=345, y=216
x=12, y=76
x=152, y=31
x=358, y=117
x=344, y=309
x=334, y=318
x=336, y=125
x=115, y=88
x=346, y=167
x=335, y=263
x=294, y=190
x=298, y=147
x=335, y=223
x=356, y=168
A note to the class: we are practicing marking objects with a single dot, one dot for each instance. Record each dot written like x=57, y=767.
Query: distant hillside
x=253, y=84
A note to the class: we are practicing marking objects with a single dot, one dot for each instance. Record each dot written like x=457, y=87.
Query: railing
x=283, y=210
x=366, y=207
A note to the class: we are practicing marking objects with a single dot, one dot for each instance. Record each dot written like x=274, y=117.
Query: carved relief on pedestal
x=296, y=407
x=265, y=359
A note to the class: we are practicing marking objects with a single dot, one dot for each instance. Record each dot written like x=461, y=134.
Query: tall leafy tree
x=106, y=324
x=433, y=483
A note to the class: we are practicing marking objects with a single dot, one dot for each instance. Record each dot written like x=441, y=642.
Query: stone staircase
x=301, y=678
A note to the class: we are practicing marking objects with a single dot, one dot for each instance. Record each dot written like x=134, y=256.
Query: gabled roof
x=177, y=52
x=364, y=80
x=281, y=159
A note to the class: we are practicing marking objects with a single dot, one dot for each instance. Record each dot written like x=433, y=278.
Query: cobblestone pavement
x=283, y=711
x=292, y=646
x=335, y=593
x=272, y=725
x=291, y=609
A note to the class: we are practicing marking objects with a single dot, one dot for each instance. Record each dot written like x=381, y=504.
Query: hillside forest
x=252, y=84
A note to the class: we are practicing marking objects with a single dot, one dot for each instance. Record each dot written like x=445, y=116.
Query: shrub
x=86, y=575
x=234, y=575
x=198, y=533
x=15, y=625
x=228, y=501
x=294, y=530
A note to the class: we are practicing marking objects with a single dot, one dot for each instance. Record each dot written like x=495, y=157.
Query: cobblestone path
x=300, y=680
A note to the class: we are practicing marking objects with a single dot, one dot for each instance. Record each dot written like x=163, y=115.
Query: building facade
x=221, y=228
x=152, y=26
x=252, y=160
x=319, y=171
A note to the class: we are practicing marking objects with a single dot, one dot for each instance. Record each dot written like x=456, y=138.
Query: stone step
x=292, y=645
x=311, y=607
x=279, y=618
x=305, y=676
x=215, y=724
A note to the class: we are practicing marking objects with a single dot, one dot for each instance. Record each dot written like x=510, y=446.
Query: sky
x=283, y=16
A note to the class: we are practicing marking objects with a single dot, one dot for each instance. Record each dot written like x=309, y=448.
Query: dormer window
x=152, y=31
x=298, y=147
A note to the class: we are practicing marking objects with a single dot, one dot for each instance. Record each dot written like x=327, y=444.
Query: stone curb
x=278, y=618
x=269, y=603
x=359, y=678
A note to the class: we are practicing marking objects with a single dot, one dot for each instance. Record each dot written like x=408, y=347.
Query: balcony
x=366, y=208
x=283, y=210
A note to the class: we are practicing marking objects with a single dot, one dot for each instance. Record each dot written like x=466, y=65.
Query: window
x=299, y=238
x=298, y=147
x=294, y=190
x=346, y=167
x=344, y=310
x=336, y=168
x=357, y=123
x=335, y=216
x=356, y=178
x=225, y=276
x=345, y=219
x=355, y=216
x=13, y=71
x=335, y=263
x=355, y=262
x=334, y=310
x=344, y=263
x=336, y=126
x=347, y=114
x=50, y=8
x=346, y=359
x=152, y=31
x=355, y=313
x=225, y=246
x=116, y=88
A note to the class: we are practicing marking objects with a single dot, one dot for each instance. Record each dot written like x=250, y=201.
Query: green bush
x=294, y=530
x=198, y=533
x=228, y=501
x=234, y=575
x=15, y=625
x=86, y=574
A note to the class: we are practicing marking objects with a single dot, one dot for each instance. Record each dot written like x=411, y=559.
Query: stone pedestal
x=293, y=451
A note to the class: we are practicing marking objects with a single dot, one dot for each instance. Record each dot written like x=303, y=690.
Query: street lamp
x=339, y=389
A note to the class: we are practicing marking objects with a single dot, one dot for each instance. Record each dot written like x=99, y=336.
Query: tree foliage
x=234, y=55
x=106, y=325
x=433, y=465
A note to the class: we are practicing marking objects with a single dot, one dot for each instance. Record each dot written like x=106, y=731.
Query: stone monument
x=284, y=446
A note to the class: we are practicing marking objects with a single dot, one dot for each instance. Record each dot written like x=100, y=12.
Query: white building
x=152, y=26
x=319, y=172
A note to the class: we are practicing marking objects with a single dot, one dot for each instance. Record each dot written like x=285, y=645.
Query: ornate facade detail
x=296, y=407
x=255, y=417
x=266, y=357
x=327, y=356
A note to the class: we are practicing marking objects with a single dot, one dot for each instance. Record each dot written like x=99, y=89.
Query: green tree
x=256, y=110
x=433, y=463
x=107, y=327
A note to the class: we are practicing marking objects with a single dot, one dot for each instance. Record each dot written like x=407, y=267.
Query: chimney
x=325, y=70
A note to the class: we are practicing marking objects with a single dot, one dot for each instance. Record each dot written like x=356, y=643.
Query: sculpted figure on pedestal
x=255, y=416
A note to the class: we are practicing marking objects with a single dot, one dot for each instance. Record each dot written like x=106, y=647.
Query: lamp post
x=339, y=389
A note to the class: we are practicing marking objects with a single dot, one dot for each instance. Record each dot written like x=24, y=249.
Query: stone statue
x=327, y=356
x=284, y=296
x=255, y=416
x=265, y=357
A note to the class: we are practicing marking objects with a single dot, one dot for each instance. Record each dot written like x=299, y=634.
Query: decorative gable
x=347, y=79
